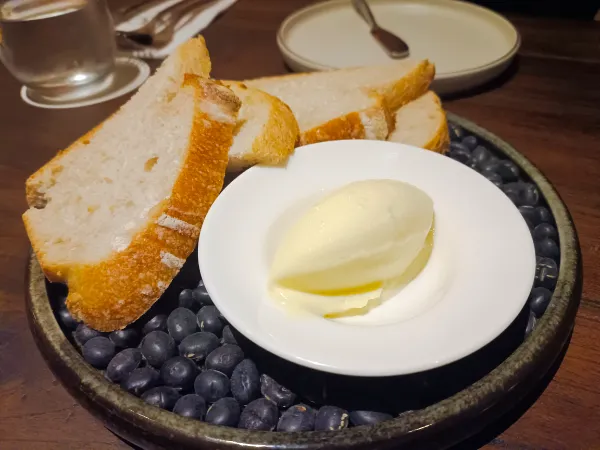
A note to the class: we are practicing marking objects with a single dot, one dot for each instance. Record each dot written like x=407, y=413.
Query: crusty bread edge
x=279, y=136
x=410, y=87
x=371, y=123
x=439, y=141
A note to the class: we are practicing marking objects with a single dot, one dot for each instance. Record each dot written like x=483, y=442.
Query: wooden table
x=550, y=111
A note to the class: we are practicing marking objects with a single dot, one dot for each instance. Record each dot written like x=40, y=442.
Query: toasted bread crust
x=435, y=138
x=275, y=147
x=409, y=87
x=371, y=123
x=440, y=141
x=279, y=135
x=110, y=295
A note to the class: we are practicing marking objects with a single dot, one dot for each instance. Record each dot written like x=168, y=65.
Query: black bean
x=179, y=372
x=157, y=347
x=543, y=214
x=181, y=323
x=545, y=230
x=539, y=299
x=479, y=156
x=209, y=319
x=228, y=337
x=141, y=380
x=456, y=132
x=547, y=248
x=188, y=301
x=65, y=318
x=507, y=170
x=201, y=295
x=493, y=177
x=197, y=346
x=162, y=397
x=461, y=148
x=224, y=412
x=531, y=323
x=123, y=364
x=245, y=382
x=224, y=358
x=261, y=414
x=83, y=333
x=129, y=337
x=212, y=385
x=192, y=406
x=460, y=155
x=272, y=390
x=491, y=165
x=297, y=418
x=470, y=142
x=331, y=418
x=546, y=273
x=157, y=323
x=99, y=351
x=530, y=196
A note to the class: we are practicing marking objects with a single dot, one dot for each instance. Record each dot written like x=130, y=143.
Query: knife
x=394, y=46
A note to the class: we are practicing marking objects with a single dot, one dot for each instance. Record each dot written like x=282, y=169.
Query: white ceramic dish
x=476, y=281
x=469, y=44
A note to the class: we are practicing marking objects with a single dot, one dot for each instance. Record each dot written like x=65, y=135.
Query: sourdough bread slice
x=422, y=123
x=349, y=103
x=116, y=215
x=266, y=132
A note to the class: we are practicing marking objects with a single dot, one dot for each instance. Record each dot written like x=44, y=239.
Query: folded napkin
x=190, y=27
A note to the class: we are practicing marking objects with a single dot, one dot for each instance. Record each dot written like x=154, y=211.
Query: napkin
x=190, y=26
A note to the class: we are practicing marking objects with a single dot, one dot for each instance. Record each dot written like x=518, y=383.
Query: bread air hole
x=149, y=165
x=170, y=96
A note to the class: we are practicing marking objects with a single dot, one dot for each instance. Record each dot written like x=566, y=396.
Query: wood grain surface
x=548, y=108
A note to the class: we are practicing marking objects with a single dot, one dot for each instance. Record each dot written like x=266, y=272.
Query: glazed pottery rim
x=555, y=325
x=314, y=66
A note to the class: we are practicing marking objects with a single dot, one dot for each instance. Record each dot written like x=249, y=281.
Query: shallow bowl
x=499, y=379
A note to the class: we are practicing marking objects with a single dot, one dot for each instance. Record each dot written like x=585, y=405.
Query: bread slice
x=266, y=132
x=422, y=123
x=116, y=214
x=350, y=103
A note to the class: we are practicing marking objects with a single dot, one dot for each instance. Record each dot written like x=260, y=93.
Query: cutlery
x=394, y=46
x=159, y=31
x=128, y=12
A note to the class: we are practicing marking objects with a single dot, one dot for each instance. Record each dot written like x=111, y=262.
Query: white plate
x=474, y=285
x=469, y=44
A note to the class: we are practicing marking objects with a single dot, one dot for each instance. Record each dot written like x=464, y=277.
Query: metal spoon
x=395, y=47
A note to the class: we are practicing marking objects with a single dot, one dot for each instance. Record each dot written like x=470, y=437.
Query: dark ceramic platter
x=437, y=408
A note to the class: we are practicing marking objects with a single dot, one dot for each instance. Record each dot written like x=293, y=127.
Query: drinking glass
x=59, y=49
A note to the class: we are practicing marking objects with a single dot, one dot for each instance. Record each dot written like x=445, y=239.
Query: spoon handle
x=362, y=8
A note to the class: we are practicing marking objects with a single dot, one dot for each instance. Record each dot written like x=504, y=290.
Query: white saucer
x=469, y=44
x=476, y=281
x=129, y=74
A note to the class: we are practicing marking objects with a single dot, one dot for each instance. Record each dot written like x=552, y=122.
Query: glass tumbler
x=58, y=49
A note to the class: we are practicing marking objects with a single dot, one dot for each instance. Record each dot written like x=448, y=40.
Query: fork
x=159, y=31
x=124, y=13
